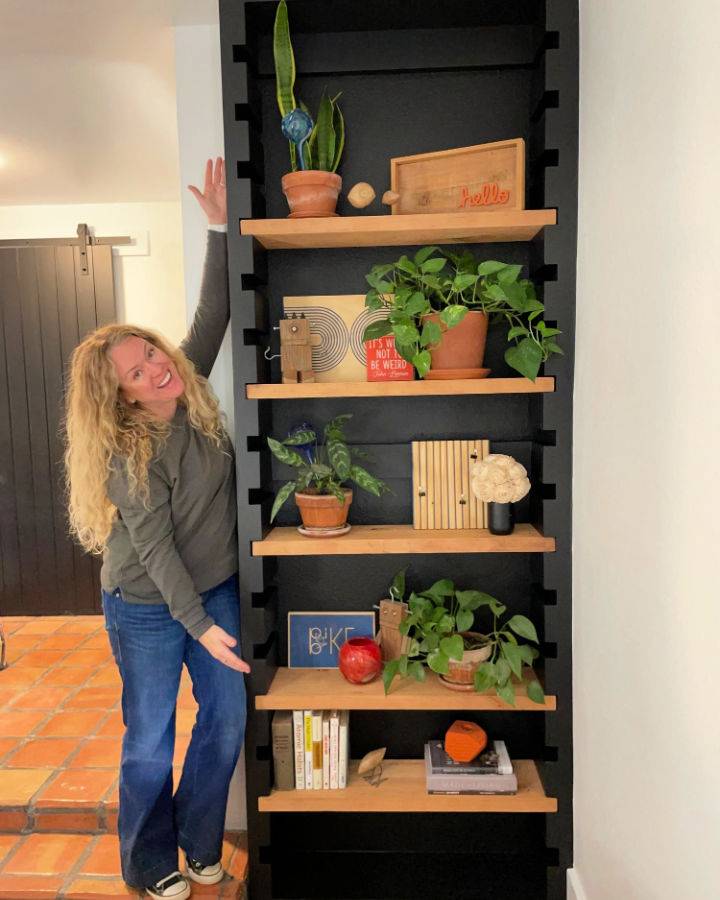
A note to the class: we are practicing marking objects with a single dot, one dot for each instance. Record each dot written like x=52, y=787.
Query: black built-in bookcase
x=415, y=76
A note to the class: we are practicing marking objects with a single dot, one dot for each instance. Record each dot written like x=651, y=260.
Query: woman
x=151, y=484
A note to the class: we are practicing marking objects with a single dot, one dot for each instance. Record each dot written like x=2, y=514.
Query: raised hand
x=219, y=644
x=213, y=198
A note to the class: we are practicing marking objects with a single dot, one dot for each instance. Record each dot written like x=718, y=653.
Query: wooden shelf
x=327, y=689
x=400, y=230
x=371, y=539
x=403, y=790
x=430, y=388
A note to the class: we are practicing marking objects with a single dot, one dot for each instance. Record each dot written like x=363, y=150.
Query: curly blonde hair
x=101, y=424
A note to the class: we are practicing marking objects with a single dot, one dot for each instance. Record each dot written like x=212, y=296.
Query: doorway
x=52, y=293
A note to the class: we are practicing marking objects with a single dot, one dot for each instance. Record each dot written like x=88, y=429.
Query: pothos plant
x=325, y=466
x=323, y=149
x=451, y=284
x=437, y=618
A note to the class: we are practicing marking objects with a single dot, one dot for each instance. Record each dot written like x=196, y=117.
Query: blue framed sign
x=315, y=638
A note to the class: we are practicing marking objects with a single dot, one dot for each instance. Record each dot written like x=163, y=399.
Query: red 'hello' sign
x=384, y=363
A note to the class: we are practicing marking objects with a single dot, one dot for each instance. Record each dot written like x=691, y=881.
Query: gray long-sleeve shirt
x=185, y=541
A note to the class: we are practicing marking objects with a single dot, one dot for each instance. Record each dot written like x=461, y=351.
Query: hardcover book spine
x=326, y=751
x=344, y=743
x=299, y=748
x=307, y=729
x=282, y=749
x=334, y=748
x=317, y=753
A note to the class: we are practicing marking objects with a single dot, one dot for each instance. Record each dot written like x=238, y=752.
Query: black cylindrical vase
x=500, y=518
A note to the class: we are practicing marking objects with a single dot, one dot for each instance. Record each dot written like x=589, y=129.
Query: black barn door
x=50, y=297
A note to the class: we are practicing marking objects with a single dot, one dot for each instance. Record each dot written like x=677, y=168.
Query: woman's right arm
x=152, y=535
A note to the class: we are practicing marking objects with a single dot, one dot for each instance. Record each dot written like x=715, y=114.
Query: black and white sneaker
x=172, y=887
x=204, y=874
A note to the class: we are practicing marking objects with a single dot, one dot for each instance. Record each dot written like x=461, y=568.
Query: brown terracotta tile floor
x=61, y=729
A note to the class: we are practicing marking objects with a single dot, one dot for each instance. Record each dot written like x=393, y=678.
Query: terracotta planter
x=461, y=674
x=460, y=348
x=311, y=193
x=322, y=511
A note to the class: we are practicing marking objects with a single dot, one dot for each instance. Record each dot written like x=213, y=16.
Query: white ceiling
x=87, y=99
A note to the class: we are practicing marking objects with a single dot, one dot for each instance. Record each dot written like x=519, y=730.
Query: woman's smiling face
x=147, y=375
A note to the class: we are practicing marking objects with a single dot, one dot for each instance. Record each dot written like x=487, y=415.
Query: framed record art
x=337, y=323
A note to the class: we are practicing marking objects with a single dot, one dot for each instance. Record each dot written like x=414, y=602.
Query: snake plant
x=324, y=147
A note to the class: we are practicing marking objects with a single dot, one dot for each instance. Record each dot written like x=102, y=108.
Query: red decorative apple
x=360, y=660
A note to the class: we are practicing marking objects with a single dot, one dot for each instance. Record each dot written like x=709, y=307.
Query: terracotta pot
x=323, y=510
x=463, y=671
x=311, y=193
x=461, y=347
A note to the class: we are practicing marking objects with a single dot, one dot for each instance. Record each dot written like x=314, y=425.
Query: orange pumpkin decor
x=464, y=741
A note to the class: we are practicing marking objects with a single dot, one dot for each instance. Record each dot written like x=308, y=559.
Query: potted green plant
x=440, y=637
x=439, y=305
x=322, y=473
x=312, y=186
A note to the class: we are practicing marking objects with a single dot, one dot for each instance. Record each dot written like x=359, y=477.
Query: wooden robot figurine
x=296, y=350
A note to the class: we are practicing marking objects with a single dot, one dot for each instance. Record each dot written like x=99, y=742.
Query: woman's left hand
x=213, y=199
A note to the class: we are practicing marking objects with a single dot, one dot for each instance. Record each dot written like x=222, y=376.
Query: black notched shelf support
x=411, y=73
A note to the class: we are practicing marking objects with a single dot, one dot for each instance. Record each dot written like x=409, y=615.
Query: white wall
x=200, y=135
x=647, y=425
x=148, y=276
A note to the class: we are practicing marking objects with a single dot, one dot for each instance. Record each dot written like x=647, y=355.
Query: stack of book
x=490, y=773
x=310, y=749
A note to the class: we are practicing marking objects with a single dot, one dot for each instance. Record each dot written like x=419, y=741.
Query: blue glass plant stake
x=297, y=127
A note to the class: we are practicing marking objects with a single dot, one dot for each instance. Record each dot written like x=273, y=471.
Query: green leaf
x=285, y=455
x=503, y=670
x=339, y=126
x=405, y=265
x=517, y=297
x=433, y=265
x=523, y=627
x=336, y=491
x=439, y=590
x=397, y=588
x=490, y=267
x=431, y=641
x=284, y=61
x=390, y=670
x=423, y=253
x=525, y=358
x=506, y=692
x=406, y=334
x=325, y=135
x=373, y=300
x=454, y=314
x=320, y=470
x=377, y=330
x=431, y=333
x=417, y=670
x=485, y=677
x=552, y=347
x=285, y=491
x=509, y=274
x=366, y=481
x=473, y=599
x=535, y=692
x=463, y=281
x=300, y=437
x=452, y=647
x=516, y=331
x=464, y=620
x=438, y=662
x=422, y=362
x=526, y=653
x=512, y=654
x=339, y=457
x=417, y=304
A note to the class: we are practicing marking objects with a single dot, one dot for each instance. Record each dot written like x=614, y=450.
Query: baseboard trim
x=575, y=890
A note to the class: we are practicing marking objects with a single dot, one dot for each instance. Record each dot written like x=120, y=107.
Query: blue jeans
x=150, y=648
